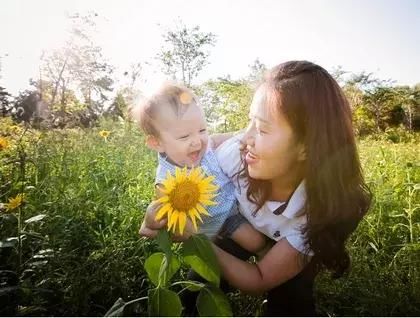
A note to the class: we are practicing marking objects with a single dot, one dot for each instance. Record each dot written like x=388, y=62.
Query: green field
x=82, y=252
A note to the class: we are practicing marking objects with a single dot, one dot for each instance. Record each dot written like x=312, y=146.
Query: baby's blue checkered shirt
x=225, y=196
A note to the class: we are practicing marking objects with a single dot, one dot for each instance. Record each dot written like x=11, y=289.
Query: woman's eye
x=260, y=131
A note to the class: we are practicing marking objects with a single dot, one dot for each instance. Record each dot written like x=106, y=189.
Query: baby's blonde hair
x=170, y=96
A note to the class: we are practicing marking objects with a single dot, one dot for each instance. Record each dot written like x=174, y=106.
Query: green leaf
x=213, y=302
x=199, y=254
x=159, y=270
x=193, y=285
x=9, y=242
x=164, y=242
x=8, y=218
x=168, y=269
x=164, y=303
x=117, y=309
x=35, y=218
x=9, y=290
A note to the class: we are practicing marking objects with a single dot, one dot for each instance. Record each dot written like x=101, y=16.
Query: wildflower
x=185, y=195
x=15, y=202
x=15, y=129
x=4, y=143
x=104, y=133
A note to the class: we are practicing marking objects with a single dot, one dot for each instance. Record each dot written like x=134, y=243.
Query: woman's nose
x=249, y=135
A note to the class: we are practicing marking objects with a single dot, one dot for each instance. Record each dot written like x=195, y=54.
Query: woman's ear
x=301, y=152
x=153, y=143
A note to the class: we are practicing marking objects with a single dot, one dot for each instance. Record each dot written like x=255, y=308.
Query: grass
x=82, y=252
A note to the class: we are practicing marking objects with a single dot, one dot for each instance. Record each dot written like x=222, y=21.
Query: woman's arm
x=281, y=263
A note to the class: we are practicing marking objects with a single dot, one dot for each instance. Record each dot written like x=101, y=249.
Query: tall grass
x=385, y=250
x=88, y=195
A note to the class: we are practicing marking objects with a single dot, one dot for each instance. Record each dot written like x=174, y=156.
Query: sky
x=376, y=36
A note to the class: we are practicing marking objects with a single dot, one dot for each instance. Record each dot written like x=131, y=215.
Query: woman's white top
x=288, y=225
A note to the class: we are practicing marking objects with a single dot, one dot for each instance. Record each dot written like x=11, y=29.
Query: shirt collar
x=295, y=204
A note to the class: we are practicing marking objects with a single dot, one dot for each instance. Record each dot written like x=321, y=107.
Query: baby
x=175, y=127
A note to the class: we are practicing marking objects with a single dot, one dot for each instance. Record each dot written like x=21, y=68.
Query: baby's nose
x=196, y=142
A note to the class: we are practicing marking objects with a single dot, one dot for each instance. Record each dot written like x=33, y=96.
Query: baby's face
x=184, y=139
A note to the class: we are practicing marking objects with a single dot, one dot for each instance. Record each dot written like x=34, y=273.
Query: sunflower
x=185, y=195
x=4, y=143
x=104, y=133
x=15, y=202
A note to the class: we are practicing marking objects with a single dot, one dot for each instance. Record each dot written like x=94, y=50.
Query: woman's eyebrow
x=262, y=120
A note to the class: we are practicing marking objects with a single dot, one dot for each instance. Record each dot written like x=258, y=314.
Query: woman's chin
x=253, y=173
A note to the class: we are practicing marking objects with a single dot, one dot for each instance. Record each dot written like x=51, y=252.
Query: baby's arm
x=249, y=238
x=217, y=139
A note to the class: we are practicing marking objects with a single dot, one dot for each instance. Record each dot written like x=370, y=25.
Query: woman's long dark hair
x=337, y=196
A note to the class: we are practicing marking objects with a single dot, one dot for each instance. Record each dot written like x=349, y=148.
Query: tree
x=130, y=92
x=77, y=67
x=257, y=70
x=4, y=102
x=377, y=97
x=25, y=106
x=408, y=100
x=185, y=53
x=226, y=103
x=339, y=73
x=118, y=107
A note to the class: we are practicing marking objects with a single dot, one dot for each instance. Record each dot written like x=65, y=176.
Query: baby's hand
x=150, y=227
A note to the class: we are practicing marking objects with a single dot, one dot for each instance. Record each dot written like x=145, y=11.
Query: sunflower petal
x=207, y=196
x=162, y=211
x=173, y=220
x=208, y=202
x=191, y=214
x=182, y=220
x=194, y=214
x=209, y=179
x=177, y=173
x=169, y=185
x=195, y=174
x=163, y=199
x=202, y=210
x=208, y=187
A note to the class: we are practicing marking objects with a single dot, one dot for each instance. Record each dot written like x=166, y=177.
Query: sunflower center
x=185, y=196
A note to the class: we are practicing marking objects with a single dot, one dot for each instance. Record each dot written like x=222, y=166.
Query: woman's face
x=272, y=152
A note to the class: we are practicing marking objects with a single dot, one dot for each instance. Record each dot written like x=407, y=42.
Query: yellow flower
x=4, y=143
x=15, y=202
x=104, y=133
x=15, y=129
x=185, y=195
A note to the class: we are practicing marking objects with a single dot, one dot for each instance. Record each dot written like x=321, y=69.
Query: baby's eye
x=203, y=130
x=183, y=137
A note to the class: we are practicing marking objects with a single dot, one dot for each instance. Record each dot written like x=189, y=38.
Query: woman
x=301, y=184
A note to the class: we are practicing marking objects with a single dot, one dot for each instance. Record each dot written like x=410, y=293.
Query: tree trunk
x=410, y=118
x=57, y=83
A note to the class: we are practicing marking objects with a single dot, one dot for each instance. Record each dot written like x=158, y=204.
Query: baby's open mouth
x=195, y=155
